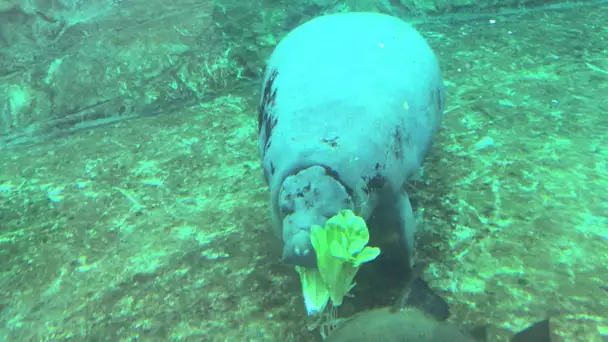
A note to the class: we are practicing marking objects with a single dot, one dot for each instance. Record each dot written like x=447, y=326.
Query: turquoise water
x=133, y=205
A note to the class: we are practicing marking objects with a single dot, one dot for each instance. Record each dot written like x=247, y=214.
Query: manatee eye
x=286, y=209
x=286, y=204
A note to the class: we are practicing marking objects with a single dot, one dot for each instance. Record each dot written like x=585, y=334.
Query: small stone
x=485, y=142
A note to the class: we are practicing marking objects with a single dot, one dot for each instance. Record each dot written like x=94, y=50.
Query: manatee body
x=420, y=315
x=405, y=325
x=349, y=107
x=413, y=325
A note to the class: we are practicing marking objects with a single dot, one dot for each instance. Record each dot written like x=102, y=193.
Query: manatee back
x=360, y=93
x=409, y=325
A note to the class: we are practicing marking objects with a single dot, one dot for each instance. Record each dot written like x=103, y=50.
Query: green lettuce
x=341, y=248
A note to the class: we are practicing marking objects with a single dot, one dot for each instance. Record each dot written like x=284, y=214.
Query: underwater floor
x=157, y=229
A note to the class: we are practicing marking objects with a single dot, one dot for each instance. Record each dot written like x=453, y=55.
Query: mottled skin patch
x=266, y=120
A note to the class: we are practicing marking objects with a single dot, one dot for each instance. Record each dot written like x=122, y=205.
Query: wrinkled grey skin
x=349, y=107
x=308, y=198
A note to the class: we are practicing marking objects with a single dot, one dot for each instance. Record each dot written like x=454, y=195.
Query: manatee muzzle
x=308, y=197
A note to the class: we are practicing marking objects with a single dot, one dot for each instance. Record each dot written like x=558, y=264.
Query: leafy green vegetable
x=341, y=249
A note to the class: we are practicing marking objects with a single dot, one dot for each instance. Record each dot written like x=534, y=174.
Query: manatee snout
x=307, y=198
x=297, y=248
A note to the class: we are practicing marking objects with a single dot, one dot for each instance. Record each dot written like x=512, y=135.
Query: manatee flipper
x=537, y=332
x=417, y=293
x=407, y=224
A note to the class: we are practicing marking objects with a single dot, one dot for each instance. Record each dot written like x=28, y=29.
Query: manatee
x=421, y=315
x=414, y=325
x=349, y=107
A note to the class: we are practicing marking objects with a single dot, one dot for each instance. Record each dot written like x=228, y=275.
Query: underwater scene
x=304, y=170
